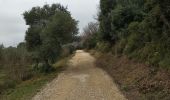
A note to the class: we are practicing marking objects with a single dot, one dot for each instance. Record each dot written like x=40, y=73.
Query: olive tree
x=49, y=28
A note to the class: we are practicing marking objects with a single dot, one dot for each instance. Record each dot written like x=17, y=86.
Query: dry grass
x=138, y=81
x=25, y=90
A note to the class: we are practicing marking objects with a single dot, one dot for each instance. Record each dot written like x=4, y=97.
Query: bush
x=15, y=66
x=103, y=46
x=137, y=28
x=44, y=68
x=68, y=49
x=118, y=49
x=165, y=63
x=6, y=84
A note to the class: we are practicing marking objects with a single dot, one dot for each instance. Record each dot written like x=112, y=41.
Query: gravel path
x=81, y=81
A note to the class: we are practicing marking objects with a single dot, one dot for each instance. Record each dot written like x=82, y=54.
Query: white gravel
x=81, y=81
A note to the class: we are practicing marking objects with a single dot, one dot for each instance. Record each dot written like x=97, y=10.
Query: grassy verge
x=137, y=81
x=27, y=89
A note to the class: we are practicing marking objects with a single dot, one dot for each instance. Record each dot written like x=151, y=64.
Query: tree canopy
x=49, y=28
x=138, y=28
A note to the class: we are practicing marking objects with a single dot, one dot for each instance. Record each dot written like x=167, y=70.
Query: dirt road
x=81, y=81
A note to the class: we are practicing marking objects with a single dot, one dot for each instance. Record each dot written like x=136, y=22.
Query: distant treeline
x=139, y=29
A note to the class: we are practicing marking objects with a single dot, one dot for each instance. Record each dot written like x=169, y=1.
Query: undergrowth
x=136, y=80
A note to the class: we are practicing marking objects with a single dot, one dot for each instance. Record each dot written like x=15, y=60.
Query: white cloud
x=12, y=25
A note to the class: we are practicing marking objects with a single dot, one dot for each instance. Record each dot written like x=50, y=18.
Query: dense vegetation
x=50, y=27
x=15, y=66
x=48, y=39
x=137, y=28
x=133, y=39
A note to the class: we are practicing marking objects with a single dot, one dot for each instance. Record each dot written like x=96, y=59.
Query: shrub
x=44, y=68
x=68, y=49
x=137, y=28
x=165, y=63
x=118, y=49
x=103, y=46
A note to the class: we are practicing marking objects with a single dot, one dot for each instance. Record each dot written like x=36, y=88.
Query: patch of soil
x=137, y=81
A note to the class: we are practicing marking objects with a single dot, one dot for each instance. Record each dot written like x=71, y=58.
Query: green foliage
x=12, y=90
x=115, y=16
x=118, y=49
x=14, y=66
x=33, y=38
x=103, y=46
x=165, y=62
x=104, y=18
x=137, y=28
x=49, y=28
x=38, y=14
x=67, y=50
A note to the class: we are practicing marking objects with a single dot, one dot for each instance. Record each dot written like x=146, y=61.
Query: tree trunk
x=47, y=66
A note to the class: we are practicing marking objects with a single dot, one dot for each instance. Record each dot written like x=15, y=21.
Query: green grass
x=27, y=89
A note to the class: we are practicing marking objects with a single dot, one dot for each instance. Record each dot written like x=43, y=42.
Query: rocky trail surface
x=81, y=81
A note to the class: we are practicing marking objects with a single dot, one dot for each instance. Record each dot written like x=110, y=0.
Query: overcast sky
x=12, y=24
